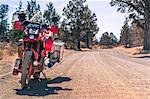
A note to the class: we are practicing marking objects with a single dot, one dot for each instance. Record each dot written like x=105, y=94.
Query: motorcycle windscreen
x=33, y=25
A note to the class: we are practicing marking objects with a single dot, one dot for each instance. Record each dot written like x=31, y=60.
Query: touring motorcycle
x=35, y=54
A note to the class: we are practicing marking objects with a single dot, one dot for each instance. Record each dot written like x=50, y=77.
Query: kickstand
x=44, y=75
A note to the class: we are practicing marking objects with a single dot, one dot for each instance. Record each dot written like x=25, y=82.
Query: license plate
x=31, y=36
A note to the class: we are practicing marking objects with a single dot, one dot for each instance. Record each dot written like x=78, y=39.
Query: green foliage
x=3, y=20
x=50, y=13
x=125, y=31
x=32, y=8
x=79, y=22
x=15, y=35
x=131, y=35
x=135, y=8
x=108, y=39
x=3, y=10
x=20, y=5
x=129, y=5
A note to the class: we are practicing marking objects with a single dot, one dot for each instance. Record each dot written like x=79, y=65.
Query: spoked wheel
x=58, y=56
x=26, y=64
x=54, y=57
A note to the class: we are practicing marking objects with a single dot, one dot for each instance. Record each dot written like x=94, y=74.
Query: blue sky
x=109, y=20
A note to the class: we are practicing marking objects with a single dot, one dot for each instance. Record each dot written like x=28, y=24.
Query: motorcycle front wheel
x=25, y=66
x=36, y=75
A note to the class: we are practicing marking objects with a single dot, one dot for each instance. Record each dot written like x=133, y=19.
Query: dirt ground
x=133, y=51
x=90, y=74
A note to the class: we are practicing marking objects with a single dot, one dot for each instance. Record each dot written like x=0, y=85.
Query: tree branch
x=133, y=6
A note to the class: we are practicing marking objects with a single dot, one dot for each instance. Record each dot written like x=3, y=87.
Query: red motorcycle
x=35, y=54
x=32, y=61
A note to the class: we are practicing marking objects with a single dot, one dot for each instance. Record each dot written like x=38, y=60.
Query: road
x=99, y=74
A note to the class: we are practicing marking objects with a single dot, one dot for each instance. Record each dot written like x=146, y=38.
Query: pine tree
x=67, y=36
x=32, y=8
x=132, y=35
x=73, y=20
x=20, y=5
x=79, y=22
x=124, y=38
x=3, y=20
x=50, y=13
x=90, y=26
x=108, y=39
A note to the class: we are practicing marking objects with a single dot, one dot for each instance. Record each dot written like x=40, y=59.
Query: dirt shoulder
x=133, y=51
x=7, y=59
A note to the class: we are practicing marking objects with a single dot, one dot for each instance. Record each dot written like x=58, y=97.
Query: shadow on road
x=41, y=88
x=143, y=57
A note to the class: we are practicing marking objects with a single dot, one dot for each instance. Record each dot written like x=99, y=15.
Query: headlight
x=33, y=31
x=35, y=63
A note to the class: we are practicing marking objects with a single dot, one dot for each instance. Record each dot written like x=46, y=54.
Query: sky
x=109, y=20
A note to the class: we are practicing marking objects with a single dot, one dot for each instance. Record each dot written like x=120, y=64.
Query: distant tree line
x=108, y=39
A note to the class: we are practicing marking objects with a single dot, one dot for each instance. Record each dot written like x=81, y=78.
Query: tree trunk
x=79, y=48
x=77, y=36
x=87, y=40
x=77, y=42
x=77, y=45
x=1, y=31
x=147, y=29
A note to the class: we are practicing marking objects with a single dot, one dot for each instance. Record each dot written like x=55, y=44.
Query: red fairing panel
x=49, y=45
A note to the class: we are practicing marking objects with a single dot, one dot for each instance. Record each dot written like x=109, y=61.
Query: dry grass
x=100, y=47
x=133, y=51
x=2, y=47
x=12, y=51
x=1, y=53
x=7, y=50
x=8, y=54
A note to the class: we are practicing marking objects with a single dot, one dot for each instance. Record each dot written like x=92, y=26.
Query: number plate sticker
x=31, y=36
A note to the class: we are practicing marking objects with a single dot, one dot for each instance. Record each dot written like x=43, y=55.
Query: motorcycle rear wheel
x=56, y=59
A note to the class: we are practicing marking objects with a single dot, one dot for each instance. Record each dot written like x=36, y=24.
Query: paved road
x=101, y=74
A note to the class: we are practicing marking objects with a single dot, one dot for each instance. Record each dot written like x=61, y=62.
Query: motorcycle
x=34, y=56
